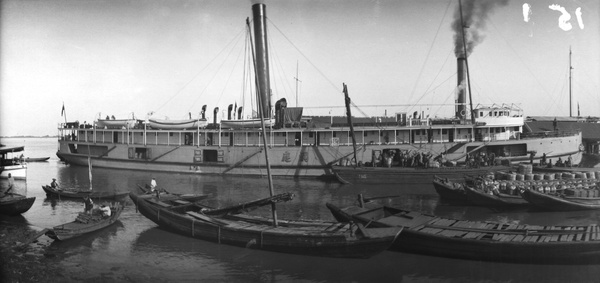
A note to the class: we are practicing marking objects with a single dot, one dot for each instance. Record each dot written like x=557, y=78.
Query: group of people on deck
x=544, y=161
x=410, y=158
x=406, y=158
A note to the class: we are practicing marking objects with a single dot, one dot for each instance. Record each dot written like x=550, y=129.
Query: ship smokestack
x=215, y=112
x=259, y=13
x=461, y=75
x=229, y=108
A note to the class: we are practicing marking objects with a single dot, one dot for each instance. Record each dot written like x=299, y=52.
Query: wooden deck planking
x=587, y=233
x=518, y=238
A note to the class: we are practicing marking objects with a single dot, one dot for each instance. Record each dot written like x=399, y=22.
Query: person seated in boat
x=569, y=162
x=543, y=161
x=559, y=162
x=54, y=184
x=107, y=117
x=88, y=205
x=105, y=211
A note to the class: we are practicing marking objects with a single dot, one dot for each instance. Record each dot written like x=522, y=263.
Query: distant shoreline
x=12, y=137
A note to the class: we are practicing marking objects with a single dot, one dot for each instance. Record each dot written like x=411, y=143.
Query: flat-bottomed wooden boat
x=555, y=202
x=15, y=204
x=475, y=240
x=53, y=192
x=328, y=239
x=85, y=224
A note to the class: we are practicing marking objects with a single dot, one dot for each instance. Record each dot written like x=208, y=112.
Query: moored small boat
x=115, y=123
x=402, y=175
x=449, y=190
x=560, y=202
x=85, y=224
x=315, y=238
x=493, y=199
x=476, y=240
x=177, y=124
x=53, y=192
x=247, y=123
x=15, y=204
x=36, y=159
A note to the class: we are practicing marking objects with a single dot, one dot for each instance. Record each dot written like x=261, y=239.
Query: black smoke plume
x=474, y=16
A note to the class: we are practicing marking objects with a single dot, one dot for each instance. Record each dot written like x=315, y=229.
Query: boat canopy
x=4, y=150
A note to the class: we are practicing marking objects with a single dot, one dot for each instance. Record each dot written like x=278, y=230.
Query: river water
x=135, y=249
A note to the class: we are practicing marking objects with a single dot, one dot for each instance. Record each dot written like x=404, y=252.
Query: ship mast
x=570, y=86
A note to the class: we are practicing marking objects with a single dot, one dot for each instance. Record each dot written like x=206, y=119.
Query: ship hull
x=289, y=161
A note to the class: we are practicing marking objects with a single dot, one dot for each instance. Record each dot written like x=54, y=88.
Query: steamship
x=303, y=146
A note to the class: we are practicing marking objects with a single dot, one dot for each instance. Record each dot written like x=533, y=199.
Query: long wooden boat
x=177, y=124
x=403, y=175
x=498, y=200
x=37, y=159
x=115, y=124
x=247, y=123
x=312, y=238
x=560, y=202
x=15, y=204
x=475, y=240
x=53, y=192
x=449, y=190
x=85, y=224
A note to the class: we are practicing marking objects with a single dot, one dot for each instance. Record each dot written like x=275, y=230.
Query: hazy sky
x=171, y=57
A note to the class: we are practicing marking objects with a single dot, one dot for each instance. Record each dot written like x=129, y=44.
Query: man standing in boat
x=88, y=204
x=152, y=185
x=11, y=184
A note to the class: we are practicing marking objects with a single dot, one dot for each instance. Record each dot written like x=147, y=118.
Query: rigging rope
x=199, y=72
x=429, y=52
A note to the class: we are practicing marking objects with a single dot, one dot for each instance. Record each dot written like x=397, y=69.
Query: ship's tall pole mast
x=570, y=86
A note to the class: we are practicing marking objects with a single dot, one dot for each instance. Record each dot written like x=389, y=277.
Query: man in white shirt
x=153, y=185
x=105, y=211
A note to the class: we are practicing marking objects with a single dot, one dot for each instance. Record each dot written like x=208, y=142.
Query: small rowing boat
x=85, y=223
x=494, y=199
x=560, y=202
x=58, y=193
x=115, y=123
x=15, y=204
x=177, y=124
x=36, y=159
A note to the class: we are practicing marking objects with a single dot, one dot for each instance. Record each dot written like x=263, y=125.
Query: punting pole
x=349, y=117
x=264, y=134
